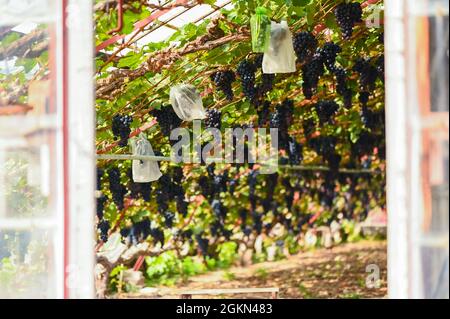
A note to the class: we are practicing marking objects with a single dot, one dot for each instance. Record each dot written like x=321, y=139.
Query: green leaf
x=131, y=60
x=300, y=3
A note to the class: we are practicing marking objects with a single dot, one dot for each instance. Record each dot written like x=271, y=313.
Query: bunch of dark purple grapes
x=323, y=145
x=368, y=73
x=257, y=222
x=138, y=190
x=267, y=81
x=140, y=231
x=326, y=110
x=121, y=128
x=347, y=15
x=220, y=182
x=168, y=219
x=342, y=88
x=203, y=244
x=364, y=145
x=213, y=184
x=182, y=204
x=289, y=195
x=373, y=120
x=118, y=191
x=167, y=119
x=282, y=120
x=328, y=54
x=103, y=226
x=224, y=80
x=213, y=119
x=305, y=45
x=334, y=161
x=247, y=72
x=379, y=65
x=157, y=235
x=219, y=210
x=309, y=127
x=101, y=201
x=263, y=113
x=368, y=117
x=218, y=226
x=312, y=71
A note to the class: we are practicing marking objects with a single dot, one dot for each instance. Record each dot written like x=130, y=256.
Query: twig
x=20, y=46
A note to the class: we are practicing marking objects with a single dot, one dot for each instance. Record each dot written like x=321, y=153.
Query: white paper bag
x=144, y=171
x=187, y=102
x=280, y=57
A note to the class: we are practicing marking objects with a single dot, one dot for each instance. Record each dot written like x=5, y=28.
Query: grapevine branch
x=130, y=5
x=111, y=86
x=24, y=44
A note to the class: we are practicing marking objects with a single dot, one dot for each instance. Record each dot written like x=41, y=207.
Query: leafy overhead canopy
x=136, y=79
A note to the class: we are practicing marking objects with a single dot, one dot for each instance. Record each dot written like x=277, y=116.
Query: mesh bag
x=144, y=171
x=280, y=57
x=187, y=102
x=260, y=29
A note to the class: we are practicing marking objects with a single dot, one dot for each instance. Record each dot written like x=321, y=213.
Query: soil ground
x=339, y=272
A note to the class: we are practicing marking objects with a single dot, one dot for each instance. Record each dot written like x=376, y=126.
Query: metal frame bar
x=125, y=157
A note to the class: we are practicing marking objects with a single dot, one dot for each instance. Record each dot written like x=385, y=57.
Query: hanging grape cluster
x=328, y=54
x=241, y=202
x=167, y=119
x=140, y=231
x=246, y=71
x=213, y=119
x=325, y=111
x=255, y=92
x=281, y=119
x=224, y=80
x=139, y=190
x=368, y=73
x=121, y=128
x=305, y=45
x=347, y=15
x=312, y=71
x=118, y=191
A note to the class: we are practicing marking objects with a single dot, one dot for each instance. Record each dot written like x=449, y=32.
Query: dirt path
x=339, y=272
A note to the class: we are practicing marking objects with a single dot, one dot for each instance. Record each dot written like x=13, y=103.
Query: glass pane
x=26, y=183
x=30, y=147
x=432, y=113
x=26, y=264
